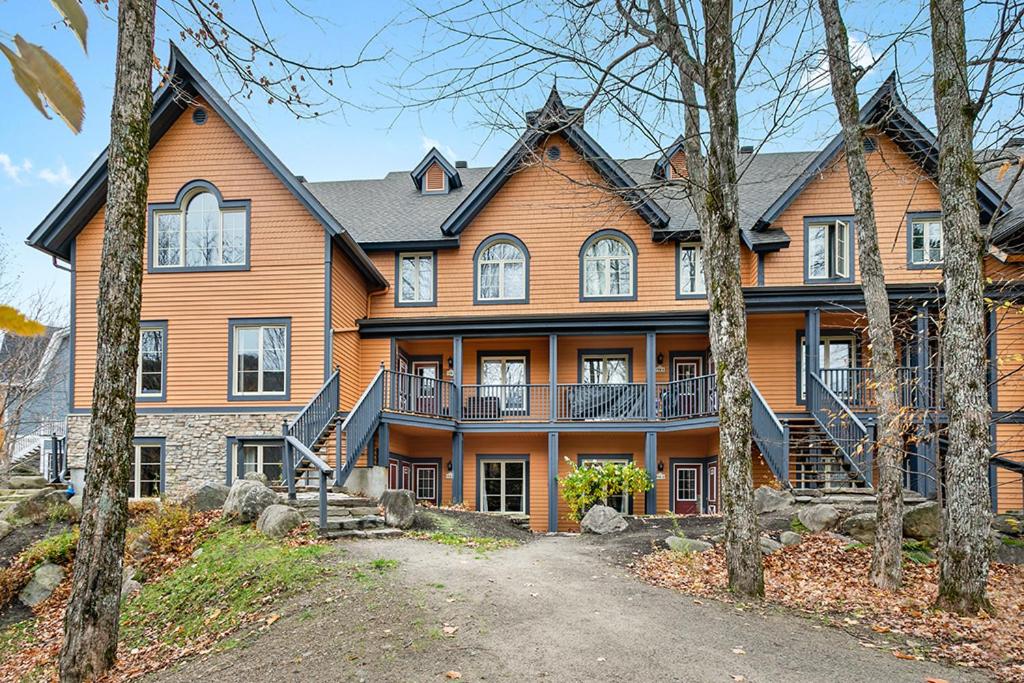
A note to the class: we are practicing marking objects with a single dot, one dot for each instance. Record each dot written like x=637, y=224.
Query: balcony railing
x=601, y=402
x=687, y=398
x=506, y=402
x=419, y=395
x=857, y=387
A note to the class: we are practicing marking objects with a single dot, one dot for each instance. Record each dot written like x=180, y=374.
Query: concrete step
x=310, y=512
x=364, y=533
x=354, y=523
x=304, y=500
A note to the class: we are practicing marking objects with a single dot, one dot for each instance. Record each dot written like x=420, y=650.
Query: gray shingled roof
x=391, y=209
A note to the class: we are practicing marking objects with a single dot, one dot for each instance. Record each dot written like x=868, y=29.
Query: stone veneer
x=196, y=442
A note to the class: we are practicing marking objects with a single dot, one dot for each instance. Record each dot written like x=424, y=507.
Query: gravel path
x=553, y=609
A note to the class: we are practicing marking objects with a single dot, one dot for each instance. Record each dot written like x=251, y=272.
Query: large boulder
x=247, y=500
x=76, y=501
x=601, y=520
x=277, y=520
x=790, y=538
x=818, y=517
x=767, y=499
x=45, y=580
x=687, y=545
x=923, y=522
x=1009, y=523
x=769, y=545
x=861, y=527
x=399, y=508
x=35, y=504
x=257, y=476
x=210, y=495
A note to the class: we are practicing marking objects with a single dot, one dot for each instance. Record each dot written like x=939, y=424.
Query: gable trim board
x=55, y=234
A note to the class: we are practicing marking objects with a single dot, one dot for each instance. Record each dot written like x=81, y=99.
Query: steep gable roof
x=435, y=157
x=554, y=117
x=57, y=231
x=885, y=111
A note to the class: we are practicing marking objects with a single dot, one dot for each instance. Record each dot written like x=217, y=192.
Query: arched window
x=608, y=266
x=502, y=270
x=200, y=231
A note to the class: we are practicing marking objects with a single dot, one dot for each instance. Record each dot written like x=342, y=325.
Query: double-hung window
x=620, y=501
x=416, y=278
x=829, y=250
x=691, y=270
x=152, y=371
x=926, y=248
x=605, y=368
x=202, y=232
x=144, y=479
x=503, y=485
x=260, y=359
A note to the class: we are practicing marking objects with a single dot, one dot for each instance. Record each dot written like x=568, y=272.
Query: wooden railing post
x=288, y=465
x=812, y=339
x=456, y=398
x=553, y=375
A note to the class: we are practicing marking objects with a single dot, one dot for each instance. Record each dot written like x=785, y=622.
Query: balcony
x=690, y=398
x=857, y=387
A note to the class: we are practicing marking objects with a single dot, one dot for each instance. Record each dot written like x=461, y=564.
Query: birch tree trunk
x=91, y=620
x=964, y=555
x=727, y=313
x=887, y=557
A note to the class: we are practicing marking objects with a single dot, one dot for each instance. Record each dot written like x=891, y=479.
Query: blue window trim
x=160, y=441
x=233, y=454
x=825, y=332
x=162, y=396
x=583, y=250
x=177, y=205
x=524, y=458
x=398, y=280
x=808, y=220
x=918, y=215
x=501, y=237
x=611, y=457
x=250, y=322
x=679, y=252
x=603, y=352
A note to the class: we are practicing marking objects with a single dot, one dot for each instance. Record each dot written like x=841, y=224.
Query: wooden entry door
x=424, y=390
x=712, y=488
x=686, y=488
x=393, y=482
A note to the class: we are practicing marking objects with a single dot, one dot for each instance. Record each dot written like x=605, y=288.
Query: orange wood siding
x=748, y=267
x=1010, y=358
x=533, y=446
x=434, y=180
x=1010, y=445
x=553, y=216
x=286, y=277
x=348, y=304
x=677, y=164
x=899, y=185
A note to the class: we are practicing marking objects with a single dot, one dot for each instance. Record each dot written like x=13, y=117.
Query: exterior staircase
x=816, y=462
x=347, y=516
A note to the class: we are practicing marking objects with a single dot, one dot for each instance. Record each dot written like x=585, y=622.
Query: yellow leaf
x=453, y=675
x=14, y=321
x=25, y=80
x=1002, y=170
x=75, y=18
x=55, y=83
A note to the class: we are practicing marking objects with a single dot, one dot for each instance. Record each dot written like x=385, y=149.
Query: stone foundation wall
x=196, y=442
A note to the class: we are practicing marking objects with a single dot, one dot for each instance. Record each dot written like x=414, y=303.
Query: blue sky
x=39, y=159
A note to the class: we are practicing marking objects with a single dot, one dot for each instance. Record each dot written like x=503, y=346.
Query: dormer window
x=672, y=164
x=199, y=231
x=435, y=175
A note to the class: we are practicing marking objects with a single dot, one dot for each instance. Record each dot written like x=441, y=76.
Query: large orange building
x=468, y=333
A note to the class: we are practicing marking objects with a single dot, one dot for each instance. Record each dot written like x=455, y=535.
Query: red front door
x=393, y=482
x=686, y=485
x=713, y=488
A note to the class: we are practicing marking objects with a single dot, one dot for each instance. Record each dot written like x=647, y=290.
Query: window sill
x=156, y=270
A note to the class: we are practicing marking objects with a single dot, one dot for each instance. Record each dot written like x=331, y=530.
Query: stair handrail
x=291, y=463
x=359, y=425
x=770, y=434
x=315, y=417
x=850, y=429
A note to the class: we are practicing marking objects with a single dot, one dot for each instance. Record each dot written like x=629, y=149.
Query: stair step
x=354, y=523
x=386, y=532
x=333, y=500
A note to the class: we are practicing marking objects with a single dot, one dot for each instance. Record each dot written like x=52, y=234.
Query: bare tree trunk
x=91, y=621
x=887, y=558
x=964, y=556
x=727, y=312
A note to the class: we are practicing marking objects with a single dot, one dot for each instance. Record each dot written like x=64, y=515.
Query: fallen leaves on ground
x=824, y=575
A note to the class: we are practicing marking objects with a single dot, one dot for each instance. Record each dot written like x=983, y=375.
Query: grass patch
x=238, y=573
x=15, y=637
x=58, y=549
x=798, y=526
x=481, y=544
x=1012, y=542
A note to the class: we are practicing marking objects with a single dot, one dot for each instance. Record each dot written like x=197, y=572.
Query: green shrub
x=586, y=486
x=59, y=549
x=166, y=527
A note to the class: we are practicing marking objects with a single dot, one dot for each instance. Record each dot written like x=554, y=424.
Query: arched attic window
x=199, y=231
x=501, y=271
x=608, y=267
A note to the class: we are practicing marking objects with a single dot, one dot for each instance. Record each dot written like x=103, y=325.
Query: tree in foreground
x=887, y=556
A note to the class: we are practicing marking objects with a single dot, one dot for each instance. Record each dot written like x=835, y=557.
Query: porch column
x=383, y=444
x=553, y=377
x=552, y=481
x=651, y=352
x=456, y=468
x=812, y=339
x=457, y=379
x=921, y=466
x=651, y=465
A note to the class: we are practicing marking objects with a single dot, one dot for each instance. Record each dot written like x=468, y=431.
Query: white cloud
x=818, y=76
x=59, y=177
x=13, y=170
x=429, y=143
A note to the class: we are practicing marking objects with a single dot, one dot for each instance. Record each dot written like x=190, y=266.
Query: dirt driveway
x=554, y=609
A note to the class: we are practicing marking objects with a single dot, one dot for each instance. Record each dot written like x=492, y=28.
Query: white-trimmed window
x=608, y=268
x=425, y=481
x=267, y=458
x=926, y=248
x=416, y=278
x=149, y=380
x=261, y=359
x=501, y=272
x=835, y=352
x=605, y=368
x=828, y=250
x=201, y=235
x=691, y=269
x=503, y=486
x=145, y=475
